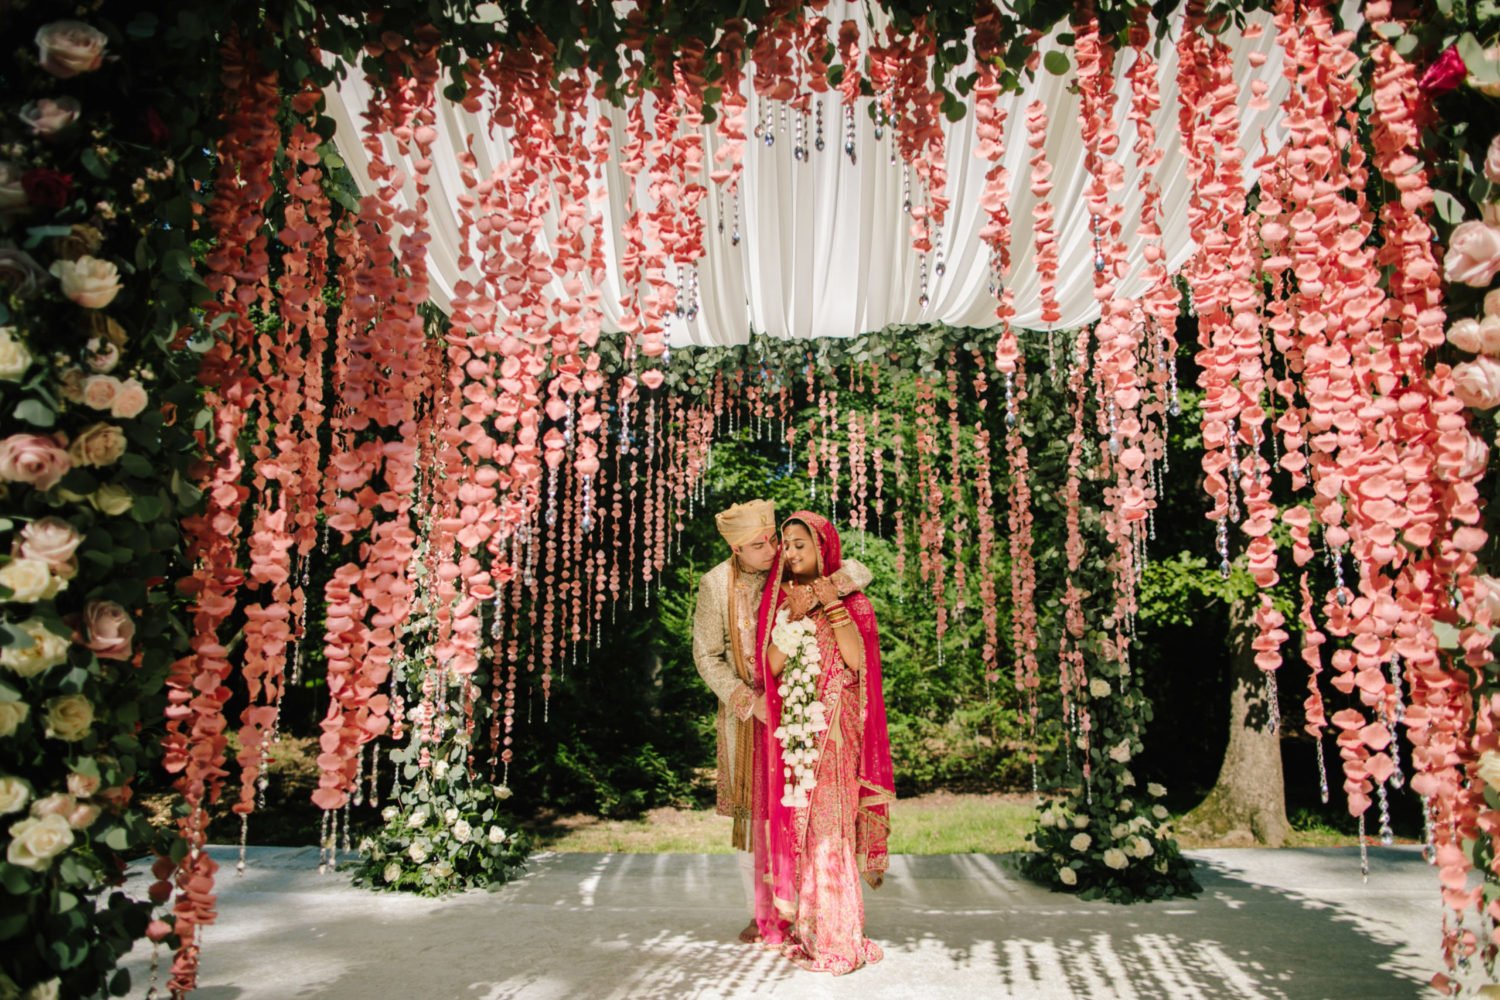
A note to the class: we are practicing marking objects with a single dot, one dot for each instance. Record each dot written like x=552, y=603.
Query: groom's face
x=757, y=555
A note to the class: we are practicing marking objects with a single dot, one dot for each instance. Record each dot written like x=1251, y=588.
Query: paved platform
x=1287, y=924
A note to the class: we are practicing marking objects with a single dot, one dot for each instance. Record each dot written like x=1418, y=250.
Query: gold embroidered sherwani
x=724, y=653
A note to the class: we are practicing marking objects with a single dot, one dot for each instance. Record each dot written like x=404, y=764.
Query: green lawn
x=939, y=823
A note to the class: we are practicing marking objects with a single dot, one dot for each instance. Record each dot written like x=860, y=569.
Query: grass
x=938, y=823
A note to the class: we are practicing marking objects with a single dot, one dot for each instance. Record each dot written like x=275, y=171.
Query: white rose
x=1160, y=812
x=70, y=717
x=1143, y=848
x=112, y=499
x=1120, y=753
x=502, y=792
x=1155, y=791
x=1116, y=859
x=67, y=48
x=1126, y=805
x=1127, y=780
x=440, y=770
x=417, y=851
x=450, y=815
x=35, y=842
x=418, y=817
x=497, y=835
x=442, y=869
x=1118, y=831
x=29, y=580
x=1067, y=876
x=392, y=871
x=462, y=831
x=1080, y=842
x=50, y=990
x=13, y=795
x=389, y=813
x=1099, y=687
x=14, y=357
x=1080, y=821
x=88, y=281
x=12, y=714
x=47, y=650
x=1048, y=820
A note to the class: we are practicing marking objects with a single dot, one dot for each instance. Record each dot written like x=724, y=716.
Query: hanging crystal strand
x=347, y=844
x=1387, y=837
x=849, y=134
x=905, y=184
x=1322, y=773
x=1233, y=476
x=374, y=776
x=151, y=993
x=1221, y=542
x=551, y=497
x=1398, y=715
x=239, y=868
x=1364, y=852
x=323, y=844
x=799, y=136
x=1429, y=838
x=1273, y=702
x=818, y=143
x=359, y=776
x=719, y=208
x=734, y=233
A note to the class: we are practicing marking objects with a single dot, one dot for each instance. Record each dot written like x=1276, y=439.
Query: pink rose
x=53, y=541
x=83, y=815
x=1492, y=161
x=1477, y=383
x=99, y=391
x=110, y=630
x=1492, y=303
x=99, y=445
x=130, y=400
x=35, y=459
x=48, y=117
x=67, y=48
x=1464, y=335
x=82, y=786
x=88, y=281
x=1473, y=254
x=56, y=804
x=1476, y=457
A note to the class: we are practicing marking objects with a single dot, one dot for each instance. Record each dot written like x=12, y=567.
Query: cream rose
x=1067, y=876
x=88, y=281
x=47, y=650
x=35, y=842
x=1160, y=812
x=49, y=990
x=112, y=499
x=1116, y=859
x=1080, y=842
x=47, y=117
x=13, y=795
x=12, y=194
x=110, y=630
x=56, y=804
x=30, y=580
x=1473, y=256
x=35, y=459
x=417, y=851
x=442, y=869
x=67, y=48
x=82, y=785
x=1489, y=769
x=53, y=541
x=497, y=835
x=1464, y=335
x=1155, y=791
x=462, y=831
x=502, y=792
x=99, y=391
x=130, y=400
x=69, y=717
x=14, y=357
x=100, y=355
x=392, y=872
x=98, y=445
x=12, y=714
x=1477, y=382
x=1120, y=753
x=1099, y=688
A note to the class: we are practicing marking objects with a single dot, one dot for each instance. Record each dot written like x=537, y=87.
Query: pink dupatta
x=876, y=782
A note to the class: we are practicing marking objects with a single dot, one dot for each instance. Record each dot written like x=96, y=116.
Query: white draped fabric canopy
x=825, y=248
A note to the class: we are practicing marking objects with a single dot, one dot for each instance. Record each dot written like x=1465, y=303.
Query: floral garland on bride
x=802, y=713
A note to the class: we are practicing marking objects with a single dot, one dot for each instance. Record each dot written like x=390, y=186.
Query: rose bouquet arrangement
x=802, y=714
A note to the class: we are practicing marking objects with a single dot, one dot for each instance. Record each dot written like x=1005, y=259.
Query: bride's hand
x=799, y=602
x=824, y=590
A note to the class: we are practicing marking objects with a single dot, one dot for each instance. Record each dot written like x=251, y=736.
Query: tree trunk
x=1248, y=803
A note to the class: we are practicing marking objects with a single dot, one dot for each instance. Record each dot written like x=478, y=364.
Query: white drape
x=825, y=248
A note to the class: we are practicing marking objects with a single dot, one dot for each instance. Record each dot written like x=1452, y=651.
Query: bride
x=829, y=828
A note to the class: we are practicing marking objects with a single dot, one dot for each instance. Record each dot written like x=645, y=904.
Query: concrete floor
x=1288, y=924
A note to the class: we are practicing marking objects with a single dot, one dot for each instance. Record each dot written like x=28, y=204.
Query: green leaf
x=143, y=25
x=178, y=265
x=1056, y=62
x=93, y=163
x=136, y=465
x=35, y=412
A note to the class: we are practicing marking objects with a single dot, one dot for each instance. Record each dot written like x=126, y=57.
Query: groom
x=724, y=653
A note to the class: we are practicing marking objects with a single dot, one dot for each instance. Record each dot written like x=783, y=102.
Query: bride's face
x=798, y=550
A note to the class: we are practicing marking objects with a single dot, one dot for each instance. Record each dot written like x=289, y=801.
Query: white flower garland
x=802, y=714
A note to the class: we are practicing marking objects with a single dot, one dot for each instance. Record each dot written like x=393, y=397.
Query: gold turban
x=747, y=522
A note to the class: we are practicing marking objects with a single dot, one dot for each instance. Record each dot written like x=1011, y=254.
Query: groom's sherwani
x=724, y=653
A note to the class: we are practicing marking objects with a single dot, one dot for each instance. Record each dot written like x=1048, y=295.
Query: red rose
x=156, y=129
x=47, y=188
x=1445, y=74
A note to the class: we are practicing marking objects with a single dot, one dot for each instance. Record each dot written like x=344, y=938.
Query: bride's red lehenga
x=814, y=857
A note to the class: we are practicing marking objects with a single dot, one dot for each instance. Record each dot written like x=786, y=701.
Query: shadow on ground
x=1269, y=924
